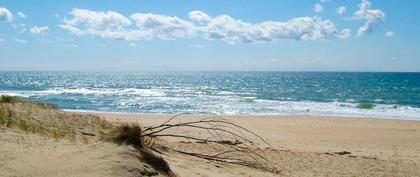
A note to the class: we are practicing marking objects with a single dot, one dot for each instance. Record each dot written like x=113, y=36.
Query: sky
x=211, y=35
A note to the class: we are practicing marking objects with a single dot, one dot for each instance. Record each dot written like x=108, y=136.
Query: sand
x=306, y=145
x=301, y=146
x=34, y=156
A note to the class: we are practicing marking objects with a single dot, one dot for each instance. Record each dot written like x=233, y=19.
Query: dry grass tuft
x=6, y=115
x=131, y=135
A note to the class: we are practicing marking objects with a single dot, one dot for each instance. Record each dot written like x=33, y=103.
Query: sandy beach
x=309, y=146
x=298, y=146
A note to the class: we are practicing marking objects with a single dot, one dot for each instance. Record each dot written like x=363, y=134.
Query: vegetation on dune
x=131, y=135
x=227, y=142
x=46, y=120
x=14, y=99
x=8, y=99
x=6, y=115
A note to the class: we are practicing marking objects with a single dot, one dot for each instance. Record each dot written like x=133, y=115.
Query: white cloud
x=341, y=10
x=5, y=15
x=21, y=41
x=21, y=15
x=226, y=28
x=71, y=29
x=390, y=34
x=199, y=17
x=104, y=24
x=318, y=8
x=345, y=34
x=223, y=27
x=371, y=17
x=98, y=20
x=43, y=30
x=164, y=27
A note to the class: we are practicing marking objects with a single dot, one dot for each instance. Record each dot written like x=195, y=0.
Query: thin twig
x=244, y=154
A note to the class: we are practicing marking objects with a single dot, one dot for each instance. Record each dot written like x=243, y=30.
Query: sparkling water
x=382, y=95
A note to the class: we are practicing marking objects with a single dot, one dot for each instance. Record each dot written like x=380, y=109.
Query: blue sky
x=216, y=35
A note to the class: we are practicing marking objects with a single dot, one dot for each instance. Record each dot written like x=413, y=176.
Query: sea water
x=379, y=95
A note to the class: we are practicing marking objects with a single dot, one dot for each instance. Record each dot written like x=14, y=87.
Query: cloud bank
x=139, y=26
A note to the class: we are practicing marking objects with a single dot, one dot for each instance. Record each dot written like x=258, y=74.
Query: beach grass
x=48, y=121
x=7, y=99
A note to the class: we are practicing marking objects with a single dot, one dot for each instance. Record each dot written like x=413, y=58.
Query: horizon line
x=180, y=71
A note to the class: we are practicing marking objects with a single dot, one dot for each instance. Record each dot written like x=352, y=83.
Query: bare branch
x=224, y=138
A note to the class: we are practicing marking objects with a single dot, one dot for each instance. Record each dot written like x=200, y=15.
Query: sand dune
x=300, y=146
x=33, y=155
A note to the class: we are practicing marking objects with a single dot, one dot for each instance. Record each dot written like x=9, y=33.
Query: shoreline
x=238, y=116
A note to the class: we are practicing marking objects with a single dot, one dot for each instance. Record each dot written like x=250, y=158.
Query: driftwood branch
x=232, y=143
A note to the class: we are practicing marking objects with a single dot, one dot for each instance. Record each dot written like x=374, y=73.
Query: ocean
x=378, y=95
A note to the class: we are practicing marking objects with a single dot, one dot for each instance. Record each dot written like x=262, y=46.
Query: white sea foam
x=179, y=100
x=234, y=105
x=88, y=91
x=14, y=94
